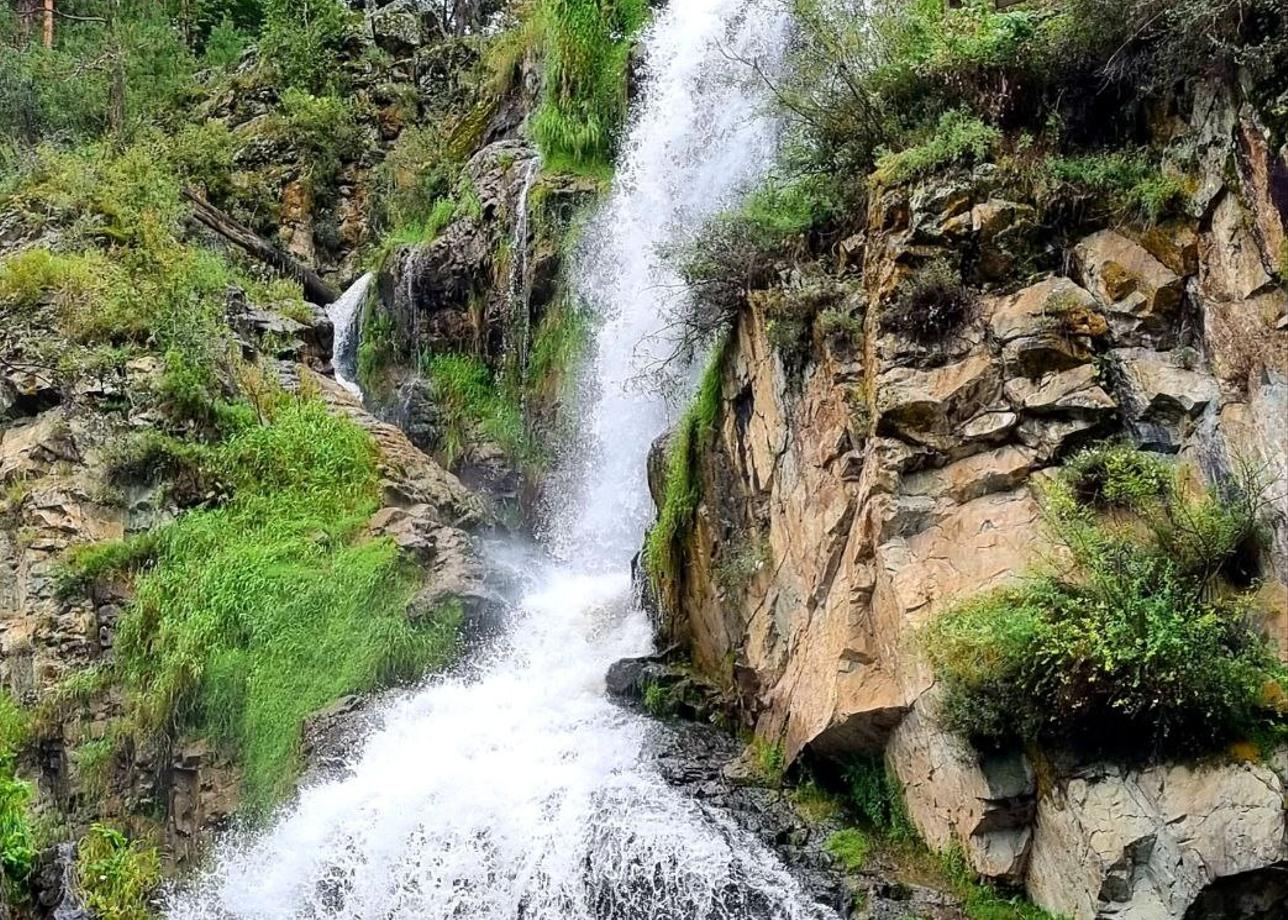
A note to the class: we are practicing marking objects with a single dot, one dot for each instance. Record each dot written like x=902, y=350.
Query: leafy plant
x=116, y=875
x=1137, y=643
x=957, y=138
x=876, y=797
x=301, y=39
x=584, y=45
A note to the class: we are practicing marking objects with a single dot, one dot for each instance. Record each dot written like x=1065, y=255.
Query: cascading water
x=518, y=791
x=518, y=328
x=344, y=315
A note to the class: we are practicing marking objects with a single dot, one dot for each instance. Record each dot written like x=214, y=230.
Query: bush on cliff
x=1138, y=640
x=116, y=875
x=585, y=46
x=250, y=616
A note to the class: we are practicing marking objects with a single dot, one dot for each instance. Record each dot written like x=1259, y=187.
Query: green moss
x=376, y=347
x=117, y=875
x=681, y=487
x=957, y=138
x=851, y=848
x=250, y=616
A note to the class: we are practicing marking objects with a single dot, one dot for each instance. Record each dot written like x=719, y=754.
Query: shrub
x=742, y=251
x=17, y=845
x=1117, y=476
x=250, y=616
x=930, y=304
x=957, y=138
x=325, y=130
x=876, y=797
x=116, y=875
x=584, y=45
x=1126, y=182
x=1135, y=643
x=301, y=40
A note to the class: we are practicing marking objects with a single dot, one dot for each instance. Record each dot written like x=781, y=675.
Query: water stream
x=515, y=790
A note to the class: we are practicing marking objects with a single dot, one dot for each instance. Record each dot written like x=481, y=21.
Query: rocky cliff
x=852, y=493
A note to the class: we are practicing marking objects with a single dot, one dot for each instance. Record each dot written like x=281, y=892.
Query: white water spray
x=520, y=792
x=344, y=315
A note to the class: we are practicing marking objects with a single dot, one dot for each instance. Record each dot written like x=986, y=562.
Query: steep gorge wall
x=845, y=505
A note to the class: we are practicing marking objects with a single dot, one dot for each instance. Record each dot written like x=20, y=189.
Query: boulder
x=983, y=804
x=1141, y=295
x=927, y=406
x=1111, y=842
x=1075, y=391
x=1048, y=326
x=1161, y=394
x=400, y=27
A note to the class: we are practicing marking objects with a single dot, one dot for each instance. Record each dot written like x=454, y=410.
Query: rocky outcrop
x=846, y=503
x=1149, y=843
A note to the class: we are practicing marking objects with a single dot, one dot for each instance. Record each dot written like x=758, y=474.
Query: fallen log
x=315, y=289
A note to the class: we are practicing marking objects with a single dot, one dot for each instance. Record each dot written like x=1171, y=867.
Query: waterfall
x=345, y=315
x=518, y=328
x=515, y=790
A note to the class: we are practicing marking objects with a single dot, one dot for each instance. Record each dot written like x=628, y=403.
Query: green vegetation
x=17, y=843
x=982, y=901
x=742, y=251
x=681, y=487
x=769, y=761
x=301, y=39
x=250, y=616
x=117, y=875
x=376, y=348
x=876, y=798
x=473, y=407
x=1140, y=640
x=561, y=341
x=851, y=848
x=1130, y=184
x=584, y=46
x=957, y=138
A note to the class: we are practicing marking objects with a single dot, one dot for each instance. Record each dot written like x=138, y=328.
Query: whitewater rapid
x=515, y=790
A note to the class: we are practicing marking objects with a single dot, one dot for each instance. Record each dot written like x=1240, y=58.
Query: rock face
x=1148, y=843
x=846, y=504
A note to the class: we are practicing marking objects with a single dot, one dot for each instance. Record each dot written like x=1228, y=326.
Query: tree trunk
x=315, y=289
x=49, y=23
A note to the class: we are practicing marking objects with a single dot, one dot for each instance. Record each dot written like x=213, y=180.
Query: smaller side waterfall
x=518, y=328
x=345, y=315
